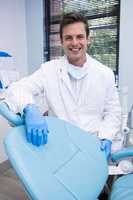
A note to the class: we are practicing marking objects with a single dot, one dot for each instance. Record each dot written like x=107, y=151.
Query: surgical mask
x=77, y=72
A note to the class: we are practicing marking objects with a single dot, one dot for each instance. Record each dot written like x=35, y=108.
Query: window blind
x=103, y=20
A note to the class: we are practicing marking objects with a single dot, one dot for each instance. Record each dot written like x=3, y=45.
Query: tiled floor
x=10, y=187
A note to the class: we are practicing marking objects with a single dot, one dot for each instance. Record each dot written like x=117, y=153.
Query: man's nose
x=74, y=41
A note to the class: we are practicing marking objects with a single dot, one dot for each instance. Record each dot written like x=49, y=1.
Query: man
x=76, y=88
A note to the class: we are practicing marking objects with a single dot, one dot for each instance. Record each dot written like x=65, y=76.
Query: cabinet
x=4, y=127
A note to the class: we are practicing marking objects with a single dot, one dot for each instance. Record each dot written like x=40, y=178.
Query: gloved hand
x=36, y=126
x=106, y=146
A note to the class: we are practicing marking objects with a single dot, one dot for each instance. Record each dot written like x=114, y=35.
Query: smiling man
x=74, y=40
x=75, y=87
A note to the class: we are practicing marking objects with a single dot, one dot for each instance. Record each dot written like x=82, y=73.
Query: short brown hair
x=70, y=18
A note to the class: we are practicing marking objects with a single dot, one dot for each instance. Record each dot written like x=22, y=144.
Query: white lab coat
x=95, y=109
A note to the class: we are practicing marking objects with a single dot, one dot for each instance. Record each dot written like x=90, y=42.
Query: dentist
x=75, y=87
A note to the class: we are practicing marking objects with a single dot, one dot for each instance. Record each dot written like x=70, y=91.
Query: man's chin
x=74, y=55
x=73, y=60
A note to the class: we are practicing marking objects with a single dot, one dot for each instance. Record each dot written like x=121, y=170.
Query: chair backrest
x=71, y=166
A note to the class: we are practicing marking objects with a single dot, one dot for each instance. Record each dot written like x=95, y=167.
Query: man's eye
x=80, y=36
x=68, y=38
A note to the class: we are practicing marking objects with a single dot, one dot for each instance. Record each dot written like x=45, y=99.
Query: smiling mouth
x=75, y=50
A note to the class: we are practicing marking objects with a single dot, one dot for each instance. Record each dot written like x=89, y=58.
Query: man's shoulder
x=54, y=63
x=100, y=67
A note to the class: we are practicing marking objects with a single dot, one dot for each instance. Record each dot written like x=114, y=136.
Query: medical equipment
x=123, y=187
x=130, y=118
x=66, y=168
x=15, y=120
x=122, y=135
x=4, y=54
x=126, y=166
x=129, y=139
x=8, y=72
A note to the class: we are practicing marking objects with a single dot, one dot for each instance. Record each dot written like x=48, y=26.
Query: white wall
x=12, y=40
x=34, y=27
x=21, y=35
x=13, y=32
x=126, y=48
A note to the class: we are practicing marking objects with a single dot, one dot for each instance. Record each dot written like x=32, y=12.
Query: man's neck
x=78, y=63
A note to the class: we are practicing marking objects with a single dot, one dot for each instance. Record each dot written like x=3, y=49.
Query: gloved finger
x=45, y=136
x=45, y=127
x=34, y=136
x=103, y=145
x=29, y=134
x=108, y=152
x=39, y=137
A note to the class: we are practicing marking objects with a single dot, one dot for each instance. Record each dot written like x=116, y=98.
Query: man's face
x=74, y=42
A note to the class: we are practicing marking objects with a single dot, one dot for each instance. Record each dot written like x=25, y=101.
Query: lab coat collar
x=63, y=72
x=65, y=63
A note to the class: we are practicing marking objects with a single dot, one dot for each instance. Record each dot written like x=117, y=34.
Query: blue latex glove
x=106, y=146
x=36, y=126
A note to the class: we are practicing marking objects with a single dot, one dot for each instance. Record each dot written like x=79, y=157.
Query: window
x=103, y=20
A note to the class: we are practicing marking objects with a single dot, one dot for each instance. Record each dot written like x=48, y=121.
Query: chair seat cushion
x=123, y=188
x=71, y=166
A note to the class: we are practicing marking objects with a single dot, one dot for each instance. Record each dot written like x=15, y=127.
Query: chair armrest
x=9, y=115
x=125, y=152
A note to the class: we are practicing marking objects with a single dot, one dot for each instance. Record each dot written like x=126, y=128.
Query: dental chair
x=70, y=167
x=122, y=188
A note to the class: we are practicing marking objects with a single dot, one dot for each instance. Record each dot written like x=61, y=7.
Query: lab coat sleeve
x=22, y=92
x=111, y=120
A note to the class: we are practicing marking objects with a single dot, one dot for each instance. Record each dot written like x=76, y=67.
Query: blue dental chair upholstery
x=123, y=187
x=70, y=167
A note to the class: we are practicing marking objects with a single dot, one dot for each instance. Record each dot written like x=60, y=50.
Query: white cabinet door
x=4, y=127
